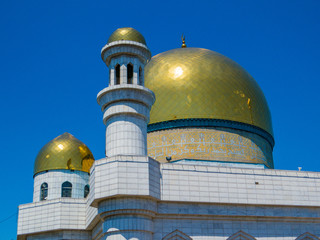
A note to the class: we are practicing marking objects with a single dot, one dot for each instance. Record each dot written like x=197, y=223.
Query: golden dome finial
x=183, y=38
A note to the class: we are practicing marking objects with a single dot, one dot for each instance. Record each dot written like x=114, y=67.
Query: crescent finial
x=183, y=38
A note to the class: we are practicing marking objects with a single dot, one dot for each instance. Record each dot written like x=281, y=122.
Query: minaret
x=127, y=181
x=126, y=103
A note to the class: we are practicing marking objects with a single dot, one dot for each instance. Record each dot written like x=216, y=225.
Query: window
x=140, y=76
x=66, y=190
x=118, y=74
x=130, y=73
x=43, y=191
x=86, y=191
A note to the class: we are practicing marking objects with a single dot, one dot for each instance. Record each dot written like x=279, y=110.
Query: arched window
x=44, y=191
x=66, y=190
x=118, y=74
x=86, y=191
x=130, y=73
x=140, y=76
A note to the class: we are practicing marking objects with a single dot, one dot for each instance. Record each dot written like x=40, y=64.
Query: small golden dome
x=127, y=33
x=64, y=152
x=194, y=83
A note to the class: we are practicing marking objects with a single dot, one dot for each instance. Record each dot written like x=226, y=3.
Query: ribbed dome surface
x=194, y=83
x=127, y=33
x=64, y=152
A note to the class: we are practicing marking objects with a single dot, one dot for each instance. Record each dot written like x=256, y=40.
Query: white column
x=126, y=135
x=126, y=115
x=112, y=78
x=142, y=76
x=123, y=74
x=135, y=78
x=135, y=72
x=133, y=221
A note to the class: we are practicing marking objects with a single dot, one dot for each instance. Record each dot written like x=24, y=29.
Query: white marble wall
x=92, y=216
x=55, y=178
x=137, y=198
x=221, y=229
x=192, y=183
x=126, y=175
x=220, y=221
x=209, y=202
x=65, y=235
x=50, y=215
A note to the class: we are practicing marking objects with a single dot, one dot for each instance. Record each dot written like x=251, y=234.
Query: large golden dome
x=127, y=33
x=64, y=152
x=195, y=83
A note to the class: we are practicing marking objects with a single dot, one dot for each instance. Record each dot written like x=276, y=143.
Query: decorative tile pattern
x=218, y=144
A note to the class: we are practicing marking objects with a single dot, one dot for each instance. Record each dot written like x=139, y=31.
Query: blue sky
x=51, y=71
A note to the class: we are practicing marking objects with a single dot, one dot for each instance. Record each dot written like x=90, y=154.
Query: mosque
x=189, y=144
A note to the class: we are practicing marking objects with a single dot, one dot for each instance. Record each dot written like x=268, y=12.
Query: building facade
x=189, y=145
